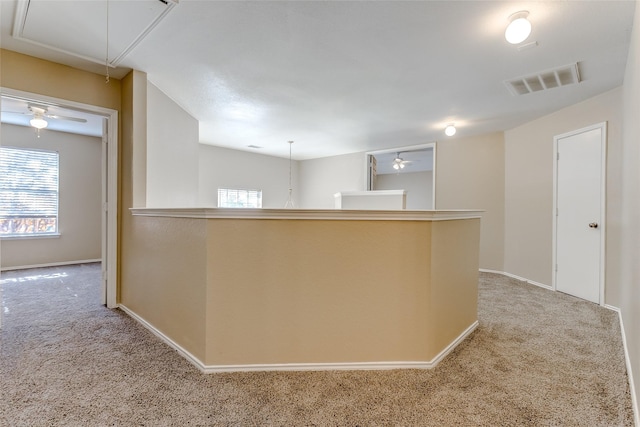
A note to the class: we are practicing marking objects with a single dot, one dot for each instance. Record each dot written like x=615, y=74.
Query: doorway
x=579, y=212
x=405, y=168
x=109, y=121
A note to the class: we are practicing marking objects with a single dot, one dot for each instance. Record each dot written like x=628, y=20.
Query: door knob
x=593, y=225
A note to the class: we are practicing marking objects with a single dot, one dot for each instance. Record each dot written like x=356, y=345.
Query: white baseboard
x=522, y=279
x=351, y=366
x=51, y=264
x=184, y=353
x=632, y=388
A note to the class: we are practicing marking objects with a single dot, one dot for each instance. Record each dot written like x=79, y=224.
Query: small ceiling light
x=519, y=27
x=450, y=130
x=38, y=122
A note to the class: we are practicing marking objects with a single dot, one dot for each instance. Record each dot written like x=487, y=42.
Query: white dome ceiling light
x=519, y=27
x=450, y=130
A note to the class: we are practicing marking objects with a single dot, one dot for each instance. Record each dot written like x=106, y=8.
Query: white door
x=579, y=209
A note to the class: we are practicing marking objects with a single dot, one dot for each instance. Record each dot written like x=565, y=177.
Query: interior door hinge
x=105, y=206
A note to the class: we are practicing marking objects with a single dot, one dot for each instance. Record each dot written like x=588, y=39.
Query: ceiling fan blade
x=74, y=119
x=18, y=112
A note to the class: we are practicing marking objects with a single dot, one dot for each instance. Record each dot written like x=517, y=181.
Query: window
x=235, y=198
x=28, y=192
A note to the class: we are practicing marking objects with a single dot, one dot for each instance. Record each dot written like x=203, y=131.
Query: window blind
x=28, y=191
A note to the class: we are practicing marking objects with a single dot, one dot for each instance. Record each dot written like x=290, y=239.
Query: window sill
x=31, y=236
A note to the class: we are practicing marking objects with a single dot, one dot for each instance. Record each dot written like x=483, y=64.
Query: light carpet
x=538, y=358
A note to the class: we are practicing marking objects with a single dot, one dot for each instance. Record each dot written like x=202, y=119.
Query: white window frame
x=225, y=194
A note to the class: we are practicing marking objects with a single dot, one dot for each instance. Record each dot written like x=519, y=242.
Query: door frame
x=603, y=202
x=109, y=232
x=367, y=167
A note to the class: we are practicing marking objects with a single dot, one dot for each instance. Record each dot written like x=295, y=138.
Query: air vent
x=561, y=76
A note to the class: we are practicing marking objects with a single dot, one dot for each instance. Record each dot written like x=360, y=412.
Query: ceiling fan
x=399, y=163
x=40, y=113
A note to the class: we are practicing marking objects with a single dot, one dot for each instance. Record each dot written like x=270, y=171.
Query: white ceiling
x=340, y=77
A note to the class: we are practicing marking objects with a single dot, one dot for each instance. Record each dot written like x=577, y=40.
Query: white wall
x=172, y=153
x=225, y=168
x=628, y=284
x=419, y=186
x=529, y=187
x=321, y=178
x=80, y=200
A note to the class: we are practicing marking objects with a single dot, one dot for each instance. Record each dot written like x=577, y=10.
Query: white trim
x=51, y=264
x=522, y=279
x=30, y=236
x=309, y=214
x=111, y=228
x=351, y=366
x=372, y=193
x=632, y=388
x=184, y=353
x=603, y=203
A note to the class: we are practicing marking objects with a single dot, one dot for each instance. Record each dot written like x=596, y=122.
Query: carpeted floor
x=538, y=358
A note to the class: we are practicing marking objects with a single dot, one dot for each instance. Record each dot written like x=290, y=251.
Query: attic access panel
x=79, y=28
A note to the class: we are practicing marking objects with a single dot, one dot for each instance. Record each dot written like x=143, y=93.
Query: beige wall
x=133, y=173
x=80, y=199
x=164, y=277
x=529, y=187
x=224, y=168
x=470, y=175
x=321, y=178
x=628, y=284
x=29, y=74
x=262, y=292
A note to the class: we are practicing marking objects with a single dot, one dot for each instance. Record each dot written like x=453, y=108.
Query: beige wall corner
x=470, y=175
x=454, y=279
x=164, y=278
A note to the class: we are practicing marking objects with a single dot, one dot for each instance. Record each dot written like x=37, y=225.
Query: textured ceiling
x=340, y=77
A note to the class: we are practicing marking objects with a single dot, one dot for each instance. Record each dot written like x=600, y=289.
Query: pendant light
x=290, y=203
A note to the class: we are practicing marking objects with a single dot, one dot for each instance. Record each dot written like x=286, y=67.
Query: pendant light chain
x=106, y=60
x=290, y=144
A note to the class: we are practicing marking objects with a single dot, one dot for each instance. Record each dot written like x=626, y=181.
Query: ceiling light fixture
x=398, y=163
x=519, y=27
x=450, y=130
x=38, y=122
